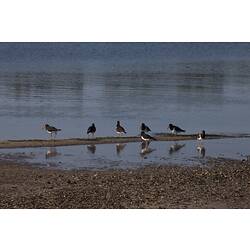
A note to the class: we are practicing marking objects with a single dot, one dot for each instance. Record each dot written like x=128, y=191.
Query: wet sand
x=106, y=140
x=222, y=184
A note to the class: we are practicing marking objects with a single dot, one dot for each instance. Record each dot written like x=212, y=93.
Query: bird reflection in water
x=51, y=152
x=175, y=147
x=201, y=151
x=200, y=148
x=119, y=148
x=145, y=149
x=91, y=148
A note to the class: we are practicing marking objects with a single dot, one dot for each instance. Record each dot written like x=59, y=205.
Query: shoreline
x=221, y=184
x=107, y=140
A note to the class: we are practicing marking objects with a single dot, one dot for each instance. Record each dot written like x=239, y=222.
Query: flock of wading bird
x=121, y=130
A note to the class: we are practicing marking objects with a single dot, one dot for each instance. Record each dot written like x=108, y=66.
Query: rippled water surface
x=197, y=86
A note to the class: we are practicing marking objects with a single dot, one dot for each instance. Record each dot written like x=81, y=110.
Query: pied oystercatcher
x=91, y=129
x=51, y=129
x=145, y=128
x=119, y=129
x=175, y=130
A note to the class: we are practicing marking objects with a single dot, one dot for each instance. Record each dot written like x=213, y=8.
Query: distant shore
x=222, y=184
x=107, y=140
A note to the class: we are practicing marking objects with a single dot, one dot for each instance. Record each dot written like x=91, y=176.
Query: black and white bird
x=175, y=130
x=201, y=136
x=51, y=129
x=146, y=137
x=119, y=129
x=91, y=129
x=145, y=128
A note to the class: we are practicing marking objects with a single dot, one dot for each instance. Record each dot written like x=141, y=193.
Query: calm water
x=70, y=85
x=131, y=155
x=197, y=86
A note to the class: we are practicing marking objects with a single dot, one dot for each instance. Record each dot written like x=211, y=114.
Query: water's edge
x=107, y=140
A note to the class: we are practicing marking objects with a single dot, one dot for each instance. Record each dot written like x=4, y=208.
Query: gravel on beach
x=221, y=184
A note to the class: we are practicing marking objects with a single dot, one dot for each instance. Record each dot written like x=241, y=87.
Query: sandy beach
x=222, y=184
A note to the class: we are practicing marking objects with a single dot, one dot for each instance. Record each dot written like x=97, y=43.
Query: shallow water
x=196, y=86
x=131, y=155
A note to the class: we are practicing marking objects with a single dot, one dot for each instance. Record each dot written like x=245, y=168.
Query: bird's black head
x=118, y=123
x=93, y=125
x=171, y=126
